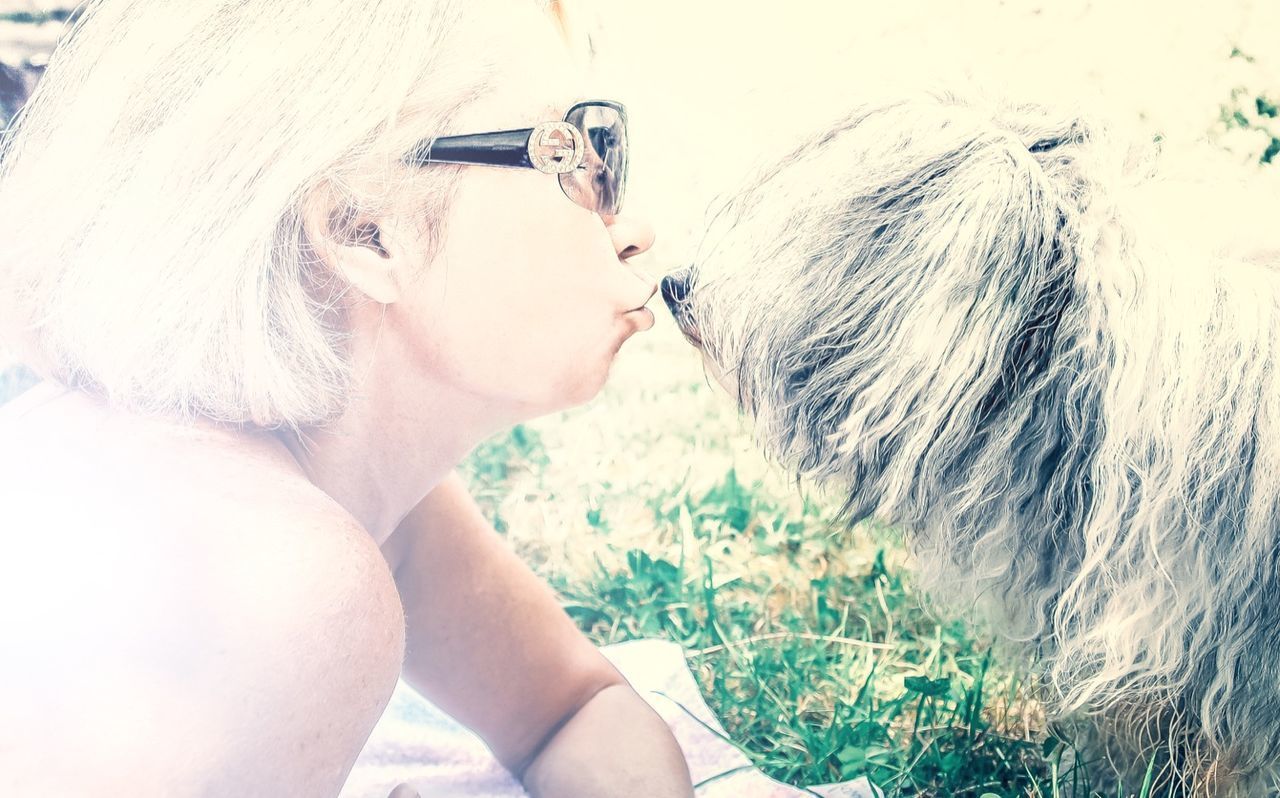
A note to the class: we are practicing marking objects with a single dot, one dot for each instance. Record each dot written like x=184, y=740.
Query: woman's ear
x=362, y=249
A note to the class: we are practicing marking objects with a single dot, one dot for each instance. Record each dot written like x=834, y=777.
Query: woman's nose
x=632, y=235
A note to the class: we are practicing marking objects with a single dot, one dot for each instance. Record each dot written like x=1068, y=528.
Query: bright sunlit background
x=714, y=84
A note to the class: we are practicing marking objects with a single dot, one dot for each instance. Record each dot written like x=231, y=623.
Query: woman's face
x=528, y=296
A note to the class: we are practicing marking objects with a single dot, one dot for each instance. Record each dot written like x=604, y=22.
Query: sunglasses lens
x=598, y=184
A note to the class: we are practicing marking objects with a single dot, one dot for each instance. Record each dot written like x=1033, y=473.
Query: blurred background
x=714, y=85
x=651, y=512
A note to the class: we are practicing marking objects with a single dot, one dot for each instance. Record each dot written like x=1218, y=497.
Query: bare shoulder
x=184, y=621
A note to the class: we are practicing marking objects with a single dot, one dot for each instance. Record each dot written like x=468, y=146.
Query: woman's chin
x=573, y=391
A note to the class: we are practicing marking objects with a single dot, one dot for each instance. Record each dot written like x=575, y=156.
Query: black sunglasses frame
x=555, y=148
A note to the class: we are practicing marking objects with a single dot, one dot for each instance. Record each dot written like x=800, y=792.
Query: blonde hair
x=152, y=194
x=579, y=26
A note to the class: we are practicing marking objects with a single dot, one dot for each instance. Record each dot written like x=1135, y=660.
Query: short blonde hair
x=152, y=192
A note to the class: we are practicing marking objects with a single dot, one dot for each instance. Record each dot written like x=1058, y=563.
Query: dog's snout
x=675, y=288
x=675, y=292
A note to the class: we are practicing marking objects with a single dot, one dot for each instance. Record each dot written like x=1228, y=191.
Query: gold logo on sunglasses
x=556, y=148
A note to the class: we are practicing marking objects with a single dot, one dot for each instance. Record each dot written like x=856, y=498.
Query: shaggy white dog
x=967, y=314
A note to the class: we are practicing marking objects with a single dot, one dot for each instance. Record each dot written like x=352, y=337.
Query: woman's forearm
x=615, y=746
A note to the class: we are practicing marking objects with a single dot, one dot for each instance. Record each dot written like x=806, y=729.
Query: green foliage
x=810, y=646
x=1253, y=111
x=496, y=461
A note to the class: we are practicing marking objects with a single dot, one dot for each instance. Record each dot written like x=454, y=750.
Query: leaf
x=1272, y=151
x=639, y=561
x=853, y=759
x=1049, y=745
x=925, y=686
x=867, y=731
x=667, y=572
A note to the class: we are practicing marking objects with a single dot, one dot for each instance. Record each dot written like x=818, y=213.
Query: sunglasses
x=587, y=150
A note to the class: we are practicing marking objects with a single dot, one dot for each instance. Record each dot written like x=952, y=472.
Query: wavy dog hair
x=152, y=192
x=959, y=310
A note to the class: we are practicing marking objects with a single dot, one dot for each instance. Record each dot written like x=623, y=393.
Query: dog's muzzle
x=676, y=289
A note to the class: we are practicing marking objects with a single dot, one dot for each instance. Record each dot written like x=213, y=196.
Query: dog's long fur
x=959, y=311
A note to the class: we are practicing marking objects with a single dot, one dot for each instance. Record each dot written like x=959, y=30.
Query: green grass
x=652, y=515
x=1252, y=111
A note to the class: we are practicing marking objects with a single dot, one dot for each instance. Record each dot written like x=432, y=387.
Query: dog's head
x=881, y=293
x=969, y=317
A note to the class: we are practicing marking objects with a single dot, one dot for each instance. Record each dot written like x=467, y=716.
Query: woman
x=272, y=320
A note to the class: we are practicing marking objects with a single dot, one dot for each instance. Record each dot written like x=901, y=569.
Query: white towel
x=417, y=744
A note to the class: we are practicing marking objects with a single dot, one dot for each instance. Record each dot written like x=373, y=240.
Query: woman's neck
x=380, y=459
x=405, y=427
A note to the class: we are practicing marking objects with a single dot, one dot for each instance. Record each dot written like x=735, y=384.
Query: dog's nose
x=675, y=292
x=675, y=288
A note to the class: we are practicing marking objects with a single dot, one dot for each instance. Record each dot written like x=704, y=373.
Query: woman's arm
x=487, y=642
x=614, y=745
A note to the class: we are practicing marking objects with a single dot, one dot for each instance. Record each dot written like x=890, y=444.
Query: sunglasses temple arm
x=504, y=148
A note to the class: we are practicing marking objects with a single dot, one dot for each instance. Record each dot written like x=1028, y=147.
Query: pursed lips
x=642, y=306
